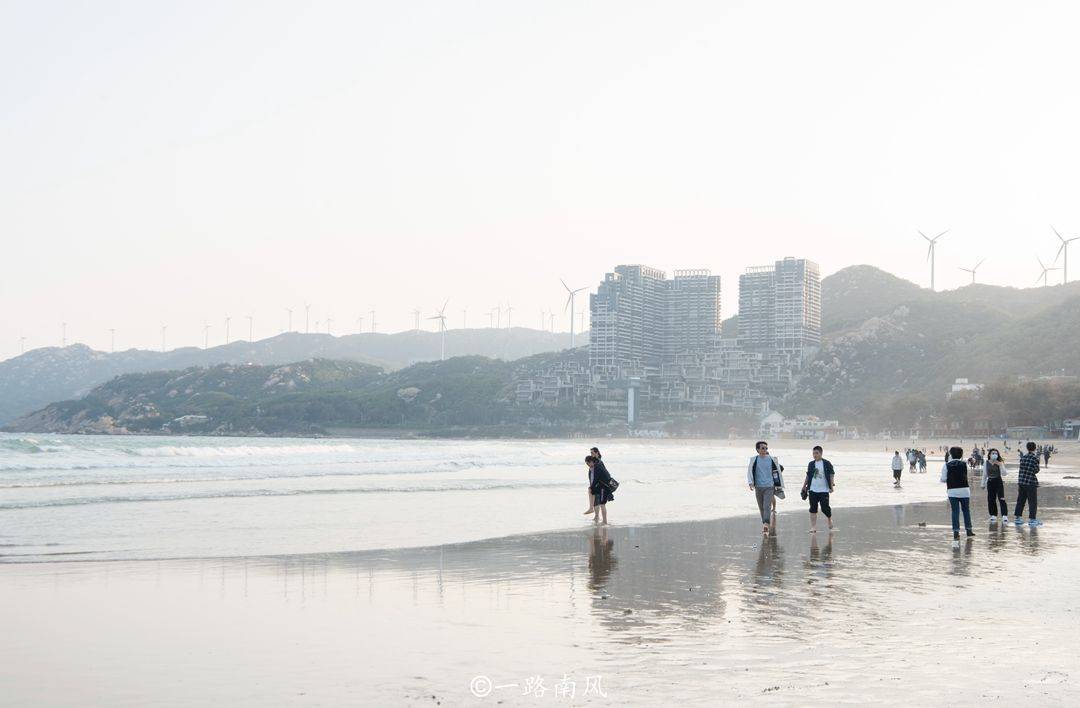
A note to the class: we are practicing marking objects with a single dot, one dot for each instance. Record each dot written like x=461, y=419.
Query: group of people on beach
x=765, y=478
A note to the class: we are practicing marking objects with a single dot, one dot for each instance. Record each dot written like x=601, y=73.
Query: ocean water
x=95, y=498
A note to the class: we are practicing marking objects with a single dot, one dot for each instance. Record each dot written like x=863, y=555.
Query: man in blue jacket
x=818, y=485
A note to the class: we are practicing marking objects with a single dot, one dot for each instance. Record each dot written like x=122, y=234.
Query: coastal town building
x=780, y=308
x=656, y=344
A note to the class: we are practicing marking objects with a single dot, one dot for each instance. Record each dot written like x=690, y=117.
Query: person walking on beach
x=594, y=452
x=994, y=483
x=922, y=461
x=1046, y=455
x=764, y=477
x=1027, y=482
x=911, y=460
x=954, y=473
x=599, y=489
x=897, y=468
x=818, y=485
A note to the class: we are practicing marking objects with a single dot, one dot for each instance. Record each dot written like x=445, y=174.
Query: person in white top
x=897, y=468
x=954, y=474
x=817, y=486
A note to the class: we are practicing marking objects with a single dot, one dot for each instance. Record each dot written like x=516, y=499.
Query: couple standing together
x=765, y=477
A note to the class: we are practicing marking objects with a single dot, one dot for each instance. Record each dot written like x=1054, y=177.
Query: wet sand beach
x=884, y=611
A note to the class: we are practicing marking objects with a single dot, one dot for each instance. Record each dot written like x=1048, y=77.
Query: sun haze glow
x=180, y=163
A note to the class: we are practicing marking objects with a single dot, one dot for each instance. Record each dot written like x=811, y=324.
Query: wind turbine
x=22, y=345
x=930, y=253
x=543, y=317
x=329, y=322
x=972, y=270
x=289, y=310
x=570, y=306
x=416, y=320
x=307, y=318
x=163, y=328
x=498, y=316
x=552, y=322
x=491, y=318
x=441, y=317
x=227, y=320
x=360, y=324
x=465, y=318
x=1045, y=271
x=206, y=335
x=1064, y=249
x=508, y=311
x=373, y=321
x=112, y=340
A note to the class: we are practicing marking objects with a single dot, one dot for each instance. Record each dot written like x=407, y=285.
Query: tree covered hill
x=42, y=376
x=305, y=398
x=887, y=342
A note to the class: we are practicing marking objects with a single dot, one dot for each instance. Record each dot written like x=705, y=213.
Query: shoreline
x=694, y=612
x=1064, y=495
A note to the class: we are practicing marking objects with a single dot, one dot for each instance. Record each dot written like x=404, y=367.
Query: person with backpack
x=764, y=476
x=817, y=486
x=993, y=481
x=954, y=473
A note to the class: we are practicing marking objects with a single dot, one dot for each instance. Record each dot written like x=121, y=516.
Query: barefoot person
x=954, y=474
x=818, y=486
x=594, y=452
x=993, y=482
x=763, y=477
x=599, y=481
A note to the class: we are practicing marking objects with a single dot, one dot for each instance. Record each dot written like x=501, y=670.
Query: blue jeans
x=958, y=503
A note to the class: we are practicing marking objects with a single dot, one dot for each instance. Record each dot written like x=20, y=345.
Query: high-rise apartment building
x=639, y=317
x=780, y=307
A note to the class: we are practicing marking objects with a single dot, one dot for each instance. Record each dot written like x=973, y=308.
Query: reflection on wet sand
x=650, y=607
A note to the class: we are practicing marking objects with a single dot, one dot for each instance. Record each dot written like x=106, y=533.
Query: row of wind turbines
x=495, y=319
x=1063, y=250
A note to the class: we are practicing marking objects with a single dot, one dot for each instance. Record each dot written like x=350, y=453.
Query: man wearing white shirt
x=818, y=485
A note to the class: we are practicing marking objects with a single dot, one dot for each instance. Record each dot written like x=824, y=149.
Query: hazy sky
x=170, y=163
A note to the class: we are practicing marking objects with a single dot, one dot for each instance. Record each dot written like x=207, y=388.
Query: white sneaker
x=1005, y=519
x=993, y=519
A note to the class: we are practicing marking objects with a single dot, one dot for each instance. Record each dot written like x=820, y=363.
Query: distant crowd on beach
x=765, y=478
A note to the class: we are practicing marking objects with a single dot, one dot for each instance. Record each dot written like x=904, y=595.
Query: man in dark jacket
x=818, y=485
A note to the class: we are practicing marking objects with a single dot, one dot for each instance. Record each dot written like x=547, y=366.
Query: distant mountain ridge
x=885, y=340
x=41, y=376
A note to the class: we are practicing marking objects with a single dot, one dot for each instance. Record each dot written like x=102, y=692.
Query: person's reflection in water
x=961, y=558
x=997, y=537
x=821, y=557
x=601, y=559
x=1029, y=541
x=770, y=563
x=898, y=514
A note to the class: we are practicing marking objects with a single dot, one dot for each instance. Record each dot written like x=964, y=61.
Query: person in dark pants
x=599, y=479
x=818, y=485
x=955, y=475
x=994, y=483
x=1027, y=482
